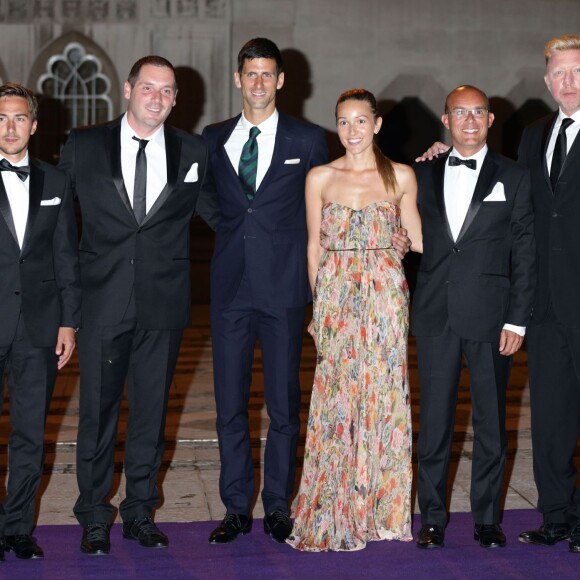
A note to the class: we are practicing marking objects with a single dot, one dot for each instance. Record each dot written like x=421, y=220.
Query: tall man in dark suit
x=39, y=305
x=138, y=182
x=473, y=299
x=259, y=285
x=551, y=149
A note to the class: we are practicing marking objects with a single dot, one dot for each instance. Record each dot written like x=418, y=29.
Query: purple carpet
x=256, y=556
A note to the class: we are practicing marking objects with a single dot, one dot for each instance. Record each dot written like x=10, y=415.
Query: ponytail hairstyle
x=384, y=164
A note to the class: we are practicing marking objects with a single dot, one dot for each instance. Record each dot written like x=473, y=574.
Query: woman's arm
x=410, y=218
x=314, y=187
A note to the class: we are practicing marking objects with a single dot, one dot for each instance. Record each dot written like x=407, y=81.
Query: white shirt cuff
x=521, y=330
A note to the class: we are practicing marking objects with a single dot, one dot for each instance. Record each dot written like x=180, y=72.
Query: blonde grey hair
x=566, y=42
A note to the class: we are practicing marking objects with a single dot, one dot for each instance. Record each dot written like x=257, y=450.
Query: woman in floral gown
x=356, y=479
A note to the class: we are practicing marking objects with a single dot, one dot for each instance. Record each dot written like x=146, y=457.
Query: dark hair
x=463, y=88
x=153, y=60
x=259, y=48
x=384, y=164
x=16, y=90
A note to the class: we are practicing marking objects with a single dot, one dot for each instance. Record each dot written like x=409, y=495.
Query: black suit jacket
x=41, y=280
x=486, y=278
x=557, y=221
x=117, y=255
x=265, y=239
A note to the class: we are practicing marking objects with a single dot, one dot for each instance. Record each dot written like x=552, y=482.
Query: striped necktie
x=248, y=167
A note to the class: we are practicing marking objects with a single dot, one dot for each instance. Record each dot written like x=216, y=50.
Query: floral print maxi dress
x=356, y=479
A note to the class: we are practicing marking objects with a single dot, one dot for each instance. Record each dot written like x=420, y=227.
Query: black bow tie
x=23, y=171
x=454, y=161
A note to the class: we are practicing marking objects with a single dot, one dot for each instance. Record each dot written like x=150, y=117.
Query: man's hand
x=401, y=242
x=65, y=344
x=433, y=151
x=509, y=342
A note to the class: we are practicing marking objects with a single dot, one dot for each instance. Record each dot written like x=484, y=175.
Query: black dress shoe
x=278, y=525
x=489, y=536
x=95, y=540
x=431, y=536
x=574, y=545
x=146, y=533
x=547, y=535
x=24, y=546
x=232, y=526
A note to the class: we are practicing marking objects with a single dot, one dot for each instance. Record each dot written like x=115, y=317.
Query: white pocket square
x=497, y=193
x=191, y=176
x=292, y=162
x=53, y=201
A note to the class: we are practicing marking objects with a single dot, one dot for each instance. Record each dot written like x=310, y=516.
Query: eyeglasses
x=464, y=113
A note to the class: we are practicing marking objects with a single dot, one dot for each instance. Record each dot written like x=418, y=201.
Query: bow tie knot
x=454, y=161
x=23, y=171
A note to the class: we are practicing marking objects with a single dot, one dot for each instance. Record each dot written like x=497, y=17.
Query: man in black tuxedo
x=259, y=285
x=40, y=301
x=473, y=299
x=138, y=182
x=551, y=149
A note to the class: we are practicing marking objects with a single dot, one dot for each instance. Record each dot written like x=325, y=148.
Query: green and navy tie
x=248, y=166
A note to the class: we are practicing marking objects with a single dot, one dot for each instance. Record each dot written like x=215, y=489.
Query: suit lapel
x=34, y=197
x=547, y=131
x=438, y=185
x=282, y=144
x=572, y=159
x=7, y=212
x=483, y=187
x=113, y=148
x=173, y=157
x=223, y=157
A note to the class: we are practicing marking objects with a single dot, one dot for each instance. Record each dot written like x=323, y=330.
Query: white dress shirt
x=156, y=162
x=459, y=186
x=266, y=140
x=571, y=133
x=18, y=197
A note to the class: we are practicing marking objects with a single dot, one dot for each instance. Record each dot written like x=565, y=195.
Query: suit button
x=17, y=293
x=250, y=210
x=132, y=261
x=456, y=251
x=22, y=260
x=555, y=215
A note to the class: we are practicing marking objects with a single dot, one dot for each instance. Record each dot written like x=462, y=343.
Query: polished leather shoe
x=278, y=525
x=547, y=535
x=231, y=527
x=431, y=536
x=95, y=540
x=489, y=536
x=145, y=532
x=574, y=545
x=24, y=546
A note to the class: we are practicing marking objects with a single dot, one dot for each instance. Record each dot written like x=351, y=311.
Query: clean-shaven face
x=258, y=82
x=151, y=99
x=16, y=127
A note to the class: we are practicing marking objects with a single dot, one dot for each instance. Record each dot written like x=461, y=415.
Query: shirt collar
x=575, y=117
x=267, y=126
x=127, y=134
x=24, y=161
x=479, y=156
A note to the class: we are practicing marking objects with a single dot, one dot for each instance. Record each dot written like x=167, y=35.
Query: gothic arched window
x=75, y=79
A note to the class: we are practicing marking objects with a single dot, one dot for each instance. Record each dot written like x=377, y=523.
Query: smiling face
x=356, y=125
x=258, y=82
x=563, y=79
x=469, y=133
x=150, y=99
x=16, y=127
